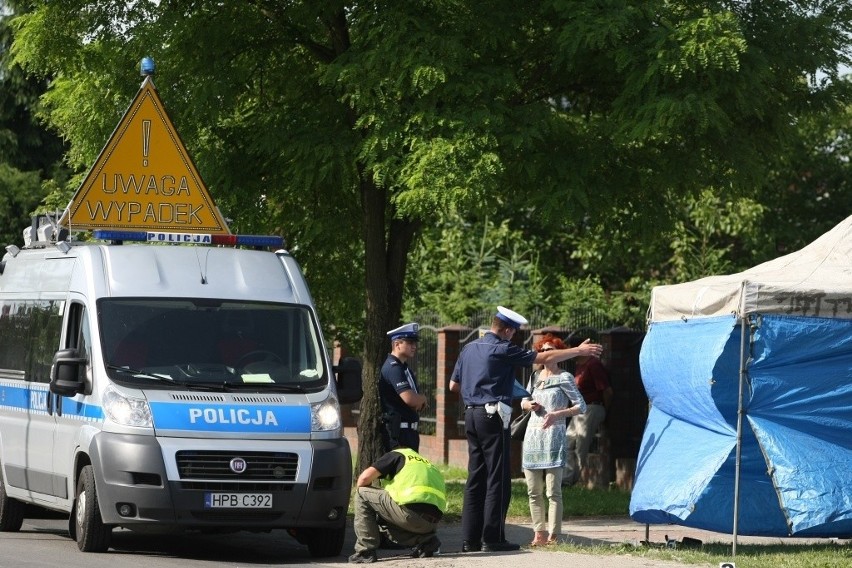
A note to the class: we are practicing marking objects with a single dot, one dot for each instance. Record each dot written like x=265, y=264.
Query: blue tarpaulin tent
x=749, y=377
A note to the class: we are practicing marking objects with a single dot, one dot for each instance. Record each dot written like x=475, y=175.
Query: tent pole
x=744, y=328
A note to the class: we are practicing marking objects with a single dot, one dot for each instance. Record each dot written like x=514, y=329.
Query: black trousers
x=488, y=488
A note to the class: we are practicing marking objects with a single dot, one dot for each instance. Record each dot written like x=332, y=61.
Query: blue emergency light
x=121, y=236
x=190, y=238
x=147, y=67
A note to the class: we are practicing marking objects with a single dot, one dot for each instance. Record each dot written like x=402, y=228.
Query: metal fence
x=425, y=367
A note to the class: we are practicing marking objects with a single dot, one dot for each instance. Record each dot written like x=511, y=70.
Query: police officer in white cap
x=398, y=391
x=485, y=376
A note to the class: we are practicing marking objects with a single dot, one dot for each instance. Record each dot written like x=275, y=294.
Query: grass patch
x=453, y=473
x=748, y=556
x=577, y=502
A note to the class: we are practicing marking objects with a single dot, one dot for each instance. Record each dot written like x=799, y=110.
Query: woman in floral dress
x=554, y=398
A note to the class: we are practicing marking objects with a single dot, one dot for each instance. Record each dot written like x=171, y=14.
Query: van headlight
x=127, y=411
x=325, y=415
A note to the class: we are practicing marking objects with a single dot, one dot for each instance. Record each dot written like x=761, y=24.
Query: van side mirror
x=348, y=372
x=67, y=375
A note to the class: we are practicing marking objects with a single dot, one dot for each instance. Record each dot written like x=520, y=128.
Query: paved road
x=581, y=531
x=44, y=543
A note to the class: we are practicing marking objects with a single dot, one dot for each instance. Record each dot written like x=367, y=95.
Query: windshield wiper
x=258, y=387
x=283, y=388
x=268, y=387
x=140, y=374
x=205, y=386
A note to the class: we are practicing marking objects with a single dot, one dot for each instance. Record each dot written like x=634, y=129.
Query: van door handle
x=49, y=403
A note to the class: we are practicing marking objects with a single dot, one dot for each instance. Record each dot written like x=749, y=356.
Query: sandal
x=540, y=539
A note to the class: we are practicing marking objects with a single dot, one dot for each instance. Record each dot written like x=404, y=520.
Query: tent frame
x=744, y=358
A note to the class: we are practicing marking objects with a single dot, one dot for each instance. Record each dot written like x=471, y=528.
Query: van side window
x=78, y=336
x=29, y=336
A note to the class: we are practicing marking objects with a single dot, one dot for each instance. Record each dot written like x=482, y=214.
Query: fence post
x=446, y=402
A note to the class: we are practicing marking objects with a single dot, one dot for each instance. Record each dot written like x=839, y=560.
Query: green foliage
x=709, y=40
x=703, y=242
x=577, y=297
x=810, y=192
x=29, y=153
x=19, y=195
x=459, y=269
x=323, y=121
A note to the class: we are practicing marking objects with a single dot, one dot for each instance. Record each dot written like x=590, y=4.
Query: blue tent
x=749, y=377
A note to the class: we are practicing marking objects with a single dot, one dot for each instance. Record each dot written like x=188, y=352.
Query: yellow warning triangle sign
x=144, y=178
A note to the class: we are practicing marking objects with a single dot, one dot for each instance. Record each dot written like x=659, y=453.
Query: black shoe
x=470, y=546
x=363, y=557
x=427, y=549
x=504, y=546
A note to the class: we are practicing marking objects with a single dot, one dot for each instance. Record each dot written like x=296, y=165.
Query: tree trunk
x=386, y=248
x=387, y=242
x=373, y=202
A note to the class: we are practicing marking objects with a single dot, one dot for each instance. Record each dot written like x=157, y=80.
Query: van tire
x=324, y=543
x=11, y=510
x=91, y=533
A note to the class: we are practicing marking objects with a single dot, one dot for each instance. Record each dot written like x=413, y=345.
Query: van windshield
x=211, y=345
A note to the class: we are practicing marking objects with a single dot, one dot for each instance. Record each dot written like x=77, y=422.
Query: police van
x=168, y=381
x=177, y=386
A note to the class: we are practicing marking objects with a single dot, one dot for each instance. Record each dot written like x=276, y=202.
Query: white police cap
x=407, y=331
x=512, y=318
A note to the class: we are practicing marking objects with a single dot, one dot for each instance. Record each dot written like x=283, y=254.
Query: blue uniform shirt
x=486, y=369
x=396, y=377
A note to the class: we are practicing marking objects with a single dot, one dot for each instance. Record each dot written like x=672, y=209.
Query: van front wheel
x=11, y=510
x=92, y=535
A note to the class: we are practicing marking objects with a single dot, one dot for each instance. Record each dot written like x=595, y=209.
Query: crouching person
x=408, y=506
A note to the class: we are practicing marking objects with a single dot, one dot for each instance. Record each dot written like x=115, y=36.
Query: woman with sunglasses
x=554, y=398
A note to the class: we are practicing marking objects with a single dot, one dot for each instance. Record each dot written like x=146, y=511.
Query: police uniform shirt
x=396, y=377
x=486, y=369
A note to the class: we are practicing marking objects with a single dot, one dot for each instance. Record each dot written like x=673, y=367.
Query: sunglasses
x=546, y=349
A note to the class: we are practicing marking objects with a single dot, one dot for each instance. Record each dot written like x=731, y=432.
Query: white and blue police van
x=164, y=386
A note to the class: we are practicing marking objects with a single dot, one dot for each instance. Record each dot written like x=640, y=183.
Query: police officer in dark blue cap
x=485, y=377
x=398, y=391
